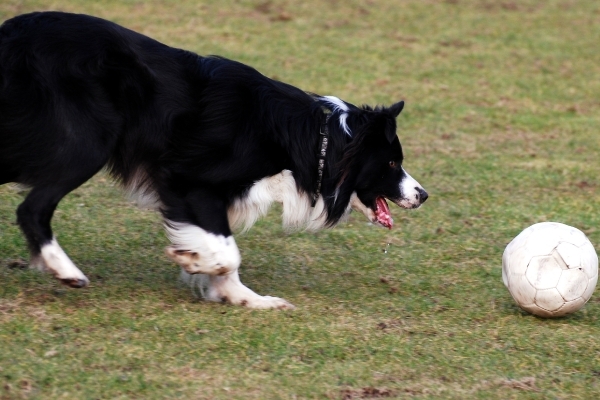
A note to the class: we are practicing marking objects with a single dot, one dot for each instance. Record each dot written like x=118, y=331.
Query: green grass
x=500, y=126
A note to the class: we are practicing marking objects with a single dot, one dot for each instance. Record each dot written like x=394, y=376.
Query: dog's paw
x=54, y=260
x=269, y=302
x=228, y=289
x=266, y=303
x=75, y=282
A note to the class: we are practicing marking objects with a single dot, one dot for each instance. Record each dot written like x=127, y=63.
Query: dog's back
x=78, y=90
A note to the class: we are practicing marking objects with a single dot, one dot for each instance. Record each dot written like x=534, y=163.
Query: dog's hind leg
x=34, y=216
x=203, y=246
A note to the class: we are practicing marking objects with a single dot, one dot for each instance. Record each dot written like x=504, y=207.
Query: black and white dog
x=209, y=141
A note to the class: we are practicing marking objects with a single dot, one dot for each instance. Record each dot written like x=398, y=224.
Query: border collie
x=208, y=141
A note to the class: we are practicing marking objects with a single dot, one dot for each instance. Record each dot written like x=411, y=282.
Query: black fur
x=78, y=93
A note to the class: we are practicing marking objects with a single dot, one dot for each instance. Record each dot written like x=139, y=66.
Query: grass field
x=500, y=126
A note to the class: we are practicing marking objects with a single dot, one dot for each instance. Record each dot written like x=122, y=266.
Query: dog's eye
x=393, y=164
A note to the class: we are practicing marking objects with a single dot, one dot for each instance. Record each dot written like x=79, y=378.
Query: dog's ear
x=395, y=109
x=390, y=130
x=390, y=126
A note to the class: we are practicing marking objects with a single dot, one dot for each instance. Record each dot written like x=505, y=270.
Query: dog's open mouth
x=382, y=213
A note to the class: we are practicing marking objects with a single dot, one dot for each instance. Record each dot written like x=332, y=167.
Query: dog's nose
x=421, y=195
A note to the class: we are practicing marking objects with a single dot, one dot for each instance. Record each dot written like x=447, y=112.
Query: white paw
x=267, y=302
x=54, y=260
x=229, y=289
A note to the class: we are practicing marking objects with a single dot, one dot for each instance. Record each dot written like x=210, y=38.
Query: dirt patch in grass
x=527, y=384
x=10, y=309
x=368, y=392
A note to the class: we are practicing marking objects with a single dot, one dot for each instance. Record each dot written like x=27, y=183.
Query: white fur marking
x=297, y=211
x=139, y=191
x=338, y=104
x=199, y=251
x=358, y=205
x=342, y=108
x=59, y=264
x=228, y=288
x=408, y=189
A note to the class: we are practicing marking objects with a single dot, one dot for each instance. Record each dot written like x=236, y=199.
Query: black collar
x=323, y=142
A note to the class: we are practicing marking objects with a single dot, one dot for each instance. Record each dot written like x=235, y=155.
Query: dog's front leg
x=203, y=246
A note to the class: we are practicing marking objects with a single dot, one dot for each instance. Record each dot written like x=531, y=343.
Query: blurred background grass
x=500, y=127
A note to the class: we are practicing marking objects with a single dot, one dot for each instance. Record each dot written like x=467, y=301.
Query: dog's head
x=372, y=163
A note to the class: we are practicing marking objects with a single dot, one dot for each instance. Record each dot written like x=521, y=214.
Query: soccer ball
x=550, y=269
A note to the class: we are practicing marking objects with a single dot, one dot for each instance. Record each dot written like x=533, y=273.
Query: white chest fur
x=280, y=188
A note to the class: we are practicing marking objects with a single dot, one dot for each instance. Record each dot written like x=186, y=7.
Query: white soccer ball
x=550, y=269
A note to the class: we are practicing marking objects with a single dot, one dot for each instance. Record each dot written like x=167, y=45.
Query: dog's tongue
x=383, y=213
